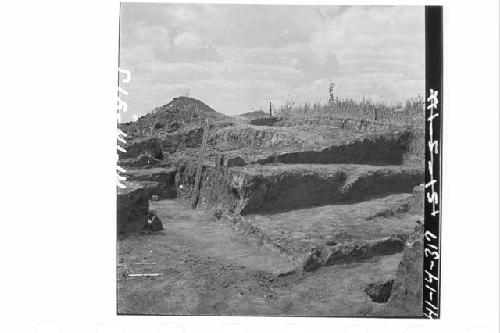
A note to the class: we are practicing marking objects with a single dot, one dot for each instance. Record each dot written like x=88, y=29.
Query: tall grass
x=410, y=113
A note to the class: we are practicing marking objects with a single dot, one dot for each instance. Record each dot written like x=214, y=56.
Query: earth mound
x=181, y=113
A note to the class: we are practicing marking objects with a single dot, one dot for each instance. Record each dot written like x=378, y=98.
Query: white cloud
x=188, y=40
x=236, y=57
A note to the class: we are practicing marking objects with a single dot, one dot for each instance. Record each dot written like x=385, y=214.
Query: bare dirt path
x=206, y=236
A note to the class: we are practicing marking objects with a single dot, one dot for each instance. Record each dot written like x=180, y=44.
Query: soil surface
x=309, y=218
x=331, y=227
x=201, y=266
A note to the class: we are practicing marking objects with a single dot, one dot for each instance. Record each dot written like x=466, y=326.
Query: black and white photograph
x=250, y=166
x=271, y=160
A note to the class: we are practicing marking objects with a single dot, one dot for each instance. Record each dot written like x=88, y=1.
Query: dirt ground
x=205, y=268
x=309, y=220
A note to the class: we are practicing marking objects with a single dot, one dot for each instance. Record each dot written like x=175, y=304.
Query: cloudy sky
x=237, y=58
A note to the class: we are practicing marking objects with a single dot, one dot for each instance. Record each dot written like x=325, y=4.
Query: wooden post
x=270, y=109
x=199, y=170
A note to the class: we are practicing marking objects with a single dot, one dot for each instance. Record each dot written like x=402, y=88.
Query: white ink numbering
x=432, y=196
x=431, y=251
x=121, y=107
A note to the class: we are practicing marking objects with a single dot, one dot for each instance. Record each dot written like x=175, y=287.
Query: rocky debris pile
x=132, y=208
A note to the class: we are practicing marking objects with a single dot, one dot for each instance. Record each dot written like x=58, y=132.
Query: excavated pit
x=271, y=188
x=338, y=199
x=259, y=189
x=335, y=234
x=380, y=292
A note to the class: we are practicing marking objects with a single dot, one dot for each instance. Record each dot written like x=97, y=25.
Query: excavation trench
x=250, y=145
x=335, y=234
x=268, y=189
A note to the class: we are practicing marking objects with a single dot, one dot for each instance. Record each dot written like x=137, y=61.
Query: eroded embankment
x=283, y=187
x=268, y=188
x=374, y=150
x=244, y=144
x=319, y=145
